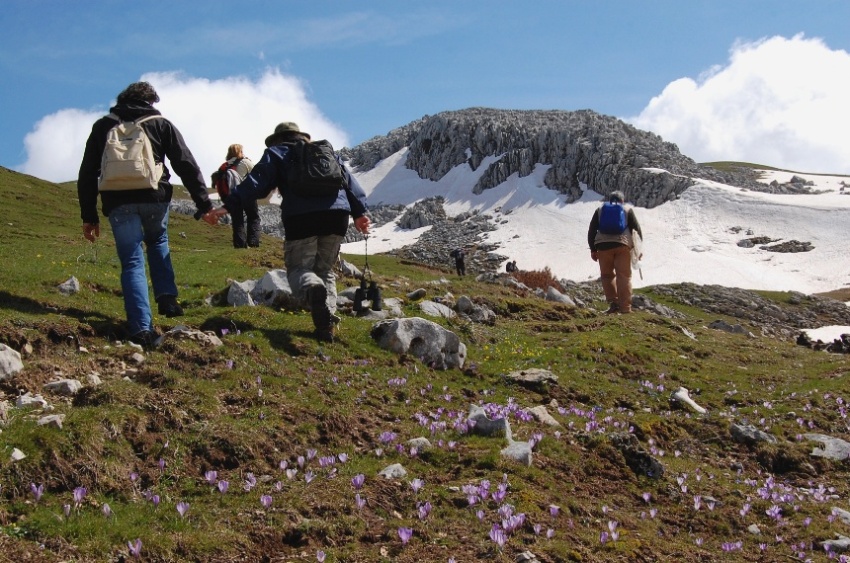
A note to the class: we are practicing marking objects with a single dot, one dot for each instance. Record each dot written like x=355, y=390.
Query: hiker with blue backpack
x=318, y=195
x=124, y=163
x=611, y=237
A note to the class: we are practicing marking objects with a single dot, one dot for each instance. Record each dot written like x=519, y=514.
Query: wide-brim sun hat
x=283, y=130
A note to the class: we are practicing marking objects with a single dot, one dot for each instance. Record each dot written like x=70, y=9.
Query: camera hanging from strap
x=370, y=292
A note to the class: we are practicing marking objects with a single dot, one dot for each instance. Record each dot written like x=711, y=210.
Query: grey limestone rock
x=66, y=387
x=423, y=339
x=833, y=448
x=533, y=378
x=394, y=471
x=749, y=434
x=484, y=426
x=10, y=362
x=69, y=286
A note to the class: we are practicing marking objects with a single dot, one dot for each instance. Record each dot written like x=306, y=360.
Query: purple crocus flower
x=309, y=476
x=155, y=500
x=357, y=481
x=320, y=556
x=266, y=501
x=498, y=536
x=161, y=464
x=79, y=495
x=554, y=509
x=135, y=548
x=417, y=484
x=182, y=508
x=359, y=501
x=107, y=511
x=66, y=508
x=37, y=491
x=222, y=486
x=343, y=457
x=405, y=534
x=211, y=476
x=424, y=510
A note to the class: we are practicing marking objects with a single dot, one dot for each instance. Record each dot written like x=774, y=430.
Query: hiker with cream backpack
x=124, y=163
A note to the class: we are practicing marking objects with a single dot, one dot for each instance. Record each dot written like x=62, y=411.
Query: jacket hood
x=133, y=111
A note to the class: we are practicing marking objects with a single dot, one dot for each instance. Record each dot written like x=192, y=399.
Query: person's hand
x=212, y=216
x=91, y=231
x=362, y=224
x=594, y=255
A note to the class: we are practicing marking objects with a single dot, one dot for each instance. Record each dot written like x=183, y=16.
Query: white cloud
x=779, y=102
x=211, y=115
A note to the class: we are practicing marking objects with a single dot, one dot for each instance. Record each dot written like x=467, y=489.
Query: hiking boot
x=325, y=334
x=317, y=296
x=146, y=339
x=168, y=306
x=613, y=308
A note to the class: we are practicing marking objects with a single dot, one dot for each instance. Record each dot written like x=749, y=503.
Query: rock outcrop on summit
x=580, y=148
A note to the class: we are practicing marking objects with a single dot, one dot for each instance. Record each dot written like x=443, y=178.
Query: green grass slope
x=289, y=424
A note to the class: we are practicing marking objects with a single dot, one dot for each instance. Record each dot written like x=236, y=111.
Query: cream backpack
x=128, y=161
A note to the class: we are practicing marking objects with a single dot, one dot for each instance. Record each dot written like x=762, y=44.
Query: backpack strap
x=147, y=118
x=111, y=115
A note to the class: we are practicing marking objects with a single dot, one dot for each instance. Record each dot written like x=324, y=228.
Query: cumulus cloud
x=211, y=115
x=778, y=102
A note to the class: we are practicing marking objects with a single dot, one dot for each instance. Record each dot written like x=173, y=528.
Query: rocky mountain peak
x=581, y=148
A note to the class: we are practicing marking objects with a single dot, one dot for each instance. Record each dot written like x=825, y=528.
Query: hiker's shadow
x=26, y=305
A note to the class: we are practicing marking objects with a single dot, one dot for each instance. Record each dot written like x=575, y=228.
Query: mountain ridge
x=582, y=149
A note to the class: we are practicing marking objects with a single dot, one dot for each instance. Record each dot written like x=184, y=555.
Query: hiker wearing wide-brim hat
x=315, y=212
x=286, y=132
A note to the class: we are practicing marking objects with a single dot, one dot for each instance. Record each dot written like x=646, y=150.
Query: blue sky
x=747, y=80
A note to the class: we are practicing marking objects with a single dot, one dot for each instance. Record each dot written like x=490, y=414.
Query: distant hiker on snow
x=458, y=255
x=124, y=162
x=318, y=195
x=511, y=267
x=610, y=239
x=229, y=175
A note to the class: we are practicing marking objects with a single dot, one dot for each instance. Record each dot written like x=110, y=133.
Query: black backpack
x=312, y=169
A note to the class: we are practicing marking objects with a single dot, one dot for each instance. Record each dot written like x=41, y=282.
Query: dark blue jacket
x=269, y=173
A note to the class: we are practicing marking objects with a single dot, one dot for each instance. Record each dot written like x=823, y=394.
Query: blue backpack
x=612, y=219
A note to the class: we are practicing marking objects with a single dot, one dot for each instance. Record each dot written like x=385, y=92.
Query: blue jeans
x=132, y=224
